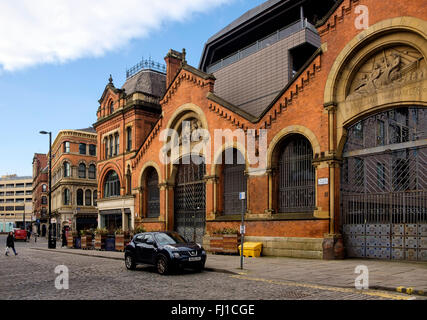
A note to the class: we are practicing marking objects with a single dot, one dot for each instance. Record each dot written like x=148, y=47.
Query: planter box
x=231, y=243
x=121, y=242
x=70, y=241
x=100, y=242
x=86, y=242
x=224, y=243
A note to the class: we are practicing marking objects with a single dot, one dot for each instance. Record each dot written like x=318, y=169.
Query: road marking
x=328, y=288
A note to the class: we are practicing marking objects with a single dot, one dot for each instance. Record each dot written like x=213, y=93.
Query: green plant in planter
x=101, y=231
x=119, y=231
x=225, y=231
x=139, y=230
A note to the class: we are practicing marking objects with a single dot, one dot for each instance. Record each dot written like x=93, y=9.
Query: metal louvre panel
x=296, y=176
x=384, y=185
x=189, y=203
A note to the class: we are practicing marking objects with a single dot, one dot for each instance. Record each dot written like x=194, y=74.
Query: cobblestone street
x=30, y=275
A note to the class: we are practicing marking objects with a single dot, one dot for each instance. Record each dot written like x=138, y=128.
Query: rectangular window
x=20, y=208
x=28, y=192
x=106, y=147
x=116, y=144
x=10, y=193
x=92, y=150
x=82, y=148
x=66, y=146
x=129, y=139
x=111, y=146
x=19, y=185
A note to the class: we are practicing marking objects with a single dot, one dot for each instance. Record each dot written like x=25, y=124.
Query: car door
x=148, y=249
x=139, y=241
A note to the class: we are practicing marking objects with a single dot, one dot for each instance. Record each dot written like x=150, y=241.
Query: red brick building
x=40, y=193
x=342, y=99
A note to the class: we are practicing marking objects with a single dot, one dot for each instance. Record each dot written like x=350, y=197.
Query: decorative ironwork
x=145, y=64
x=296, y=176
x=384, y=186
x=234, y=183
x=189, y=203
x=153, y=194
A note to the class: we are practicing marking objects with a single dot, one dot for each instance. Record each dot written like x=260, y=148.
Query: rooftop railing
x=145, y=64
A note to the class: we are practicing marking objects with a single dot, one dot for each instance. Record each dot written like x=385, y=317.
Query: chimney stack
x=174, y=61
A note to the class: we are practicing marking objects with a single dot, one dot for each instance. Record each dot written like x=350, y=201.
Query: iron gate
x=189, y=203
x=234, y=182
x=296, y=176
x=384, y=186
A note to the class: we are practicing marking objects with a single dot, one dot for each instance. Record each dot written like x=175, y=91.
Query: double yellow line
x=327, y=288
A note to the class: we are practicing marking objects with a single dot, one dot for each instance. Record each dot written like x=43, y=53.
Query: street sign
x=242, y=195
x=242, y=229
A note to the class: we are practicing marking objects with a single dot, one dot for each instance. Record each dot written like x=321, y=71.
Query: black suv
x=165, y=250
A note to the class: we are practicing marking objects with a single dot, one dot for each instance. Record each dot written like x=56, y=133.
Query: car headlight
x=203, y=252
x=176, y=254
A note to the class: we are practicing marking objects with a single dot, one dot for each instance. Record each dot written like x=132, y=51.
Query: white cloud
x=50, y=31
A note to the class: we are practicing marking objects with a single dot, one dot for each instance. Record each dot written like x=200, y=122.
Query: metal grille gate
x=234, y=182
x=296, y=176
x=384, y=186
x=189, y=203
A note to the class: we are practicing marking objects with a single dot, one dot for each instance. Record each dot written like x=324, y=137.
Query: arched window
x=88, y=198
x=44, y=188
x=67, y=169
x=111, y=107
x=111, y=146
x=111, y=185
x=44, y=200
x=66, y=197
x=296, y=175
x=153, y=193
x=79, y=197
x=82, y=170
x=92, y=171
x=95, y=197
x=234, y=181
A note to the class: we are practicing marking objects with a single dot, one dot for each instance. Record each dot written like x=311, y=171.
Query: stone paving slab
x=401, y=276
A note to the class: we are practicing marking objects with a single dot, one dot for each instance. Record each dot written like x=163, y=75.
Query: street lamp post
x=51, y=242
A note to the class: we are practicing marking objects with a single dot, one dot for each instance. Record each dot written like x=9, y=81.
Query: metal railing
x=145, y=64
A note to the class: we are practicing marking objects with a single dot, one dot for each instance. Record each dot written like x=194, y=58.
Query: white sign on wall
x=322, y=181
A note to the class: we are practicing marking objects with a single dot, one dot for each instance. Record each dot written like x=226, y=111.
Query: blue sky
x=52, y=77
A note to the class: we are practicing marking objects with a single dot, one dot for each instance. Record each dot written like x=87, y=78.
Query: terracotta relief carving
x=390, y=68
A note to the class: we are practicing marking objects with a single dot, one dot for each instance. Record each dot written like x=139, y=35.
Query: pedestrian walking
x=10, y=244
x=28, y=235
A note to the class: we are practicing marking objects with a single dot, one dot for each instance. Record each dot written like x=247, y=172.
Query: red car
x=20, y=234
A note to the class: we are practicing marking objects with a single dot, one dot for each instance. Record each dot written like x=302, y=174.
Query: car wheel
x=162, y=265
x=130, y=262
x=200, y=267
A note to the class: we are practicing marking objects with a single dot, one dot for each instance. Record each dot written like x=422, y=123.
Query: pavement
x=397, y=276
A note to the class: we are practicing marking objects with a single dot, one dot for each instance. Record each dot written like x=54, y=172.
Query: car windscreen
x=169, y=238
